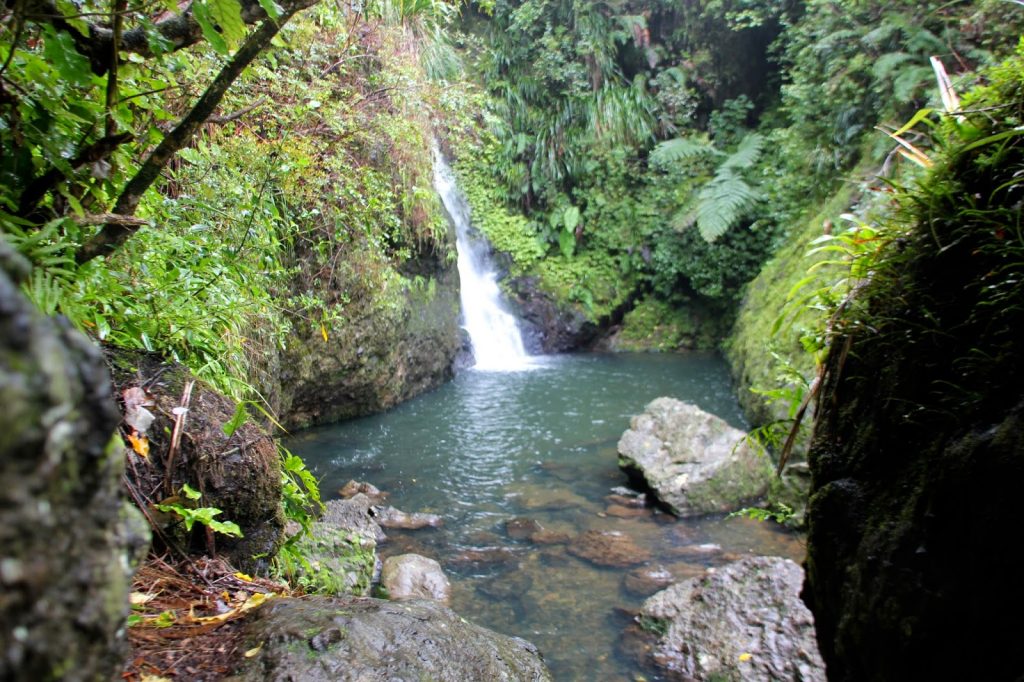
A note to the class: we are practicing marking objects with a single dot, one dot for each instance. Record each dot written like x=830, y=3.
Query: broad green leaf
x=272, y=9
x=228, y=15
x=566, y=242
x=205, y=20
x=571, y=218
x=239, y=418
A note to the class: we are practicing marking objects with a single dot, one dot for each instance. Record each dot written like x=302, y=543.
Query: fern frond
x=681, y=148
x=722, y=202
x=746, y=154
x=888, y=63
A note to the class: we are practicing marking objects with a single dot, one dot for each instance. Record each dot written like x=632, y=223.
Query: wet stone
x=353, y=488
x=411, y=576
x=549, y=537
x=646, y=580
x=608, y=548
x=626, y=500
x=620, y=512
x=389, y=517
x=522, y=528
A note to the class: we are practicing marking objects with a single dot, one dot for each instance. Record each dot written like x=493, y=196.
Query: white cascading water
x=494, y=333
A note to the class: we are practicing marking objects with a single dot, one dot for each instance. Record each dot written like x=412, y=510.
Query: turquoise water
x=540, y=444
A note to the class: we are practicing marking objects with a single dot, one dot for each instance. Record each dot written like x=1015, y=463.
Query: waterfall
x=494, y=333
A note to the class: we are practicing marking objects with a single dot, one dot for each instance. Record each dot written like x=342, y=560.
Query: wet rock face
x=384, y=353
x=608, y=548
x=693, y=461
x=909, y=524
x=342, y=549
x=321, y=639
x=742, y=621
x=68, y=542
x=411, y=576
x=546, y=327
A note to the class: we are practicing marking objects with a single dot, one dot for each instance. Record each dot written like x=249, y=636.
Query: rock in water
x=608, y=548
x=321, y=639
x=69, y=541
x=411, y=576
x=742, y=621
x=693, y=461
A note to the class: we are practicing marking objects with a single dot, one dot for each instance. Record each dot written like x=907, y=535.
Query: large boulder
x=693, y=461
x=322, y=639
x=742, y=621
x=341, y=550
x=68, y=541
x=411, y=576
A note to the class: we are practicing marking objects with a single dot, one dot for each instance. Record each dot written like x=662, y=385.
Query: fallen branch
x=180, y=415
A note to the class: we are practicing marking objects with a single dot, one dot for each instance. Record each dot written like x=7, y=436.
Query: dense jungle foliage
x=216, y=183
x=661, y=151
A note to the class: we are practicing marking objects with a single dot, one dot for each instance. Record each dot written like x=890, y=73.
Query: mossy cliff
x=919, y=445
x=68, y=541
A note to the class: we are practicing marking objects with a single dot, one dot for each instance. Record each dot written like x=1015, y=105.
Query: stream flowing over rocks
x=743, y=621
x=694, y=462
x=323, y=639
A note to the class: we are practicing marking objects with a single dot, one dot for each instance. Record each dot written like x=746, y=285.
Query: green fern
x=682, y=148
x=722, y=202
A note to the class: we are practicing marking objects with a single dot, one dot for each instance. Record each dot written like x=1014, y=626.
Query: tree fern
x=722, y=202
x=682, y=148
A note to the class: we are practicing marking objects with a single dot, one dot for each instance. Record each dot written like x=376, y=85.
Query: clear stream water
x=491, y=446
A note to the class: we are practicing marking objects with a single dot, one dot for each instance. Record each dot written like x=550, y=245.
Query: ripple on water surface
x=539, y=444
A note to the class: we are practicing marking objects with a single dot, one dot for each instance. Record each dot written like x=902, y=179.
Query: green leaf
x=272, y=9
x=228, y=15
x=190, y=492
x=60, y=50
x=566, y=242
x=571, y=218
x=239, y=418
x=205, y=20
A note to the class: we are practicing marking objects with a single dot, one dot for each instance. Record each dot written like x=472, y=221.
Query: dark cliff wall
x=919, y=447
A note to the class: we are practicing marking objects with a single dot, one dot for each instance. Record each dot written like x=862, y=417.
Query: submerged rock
x=411, y=576
x=321, y=639
x=693, y=461
x=521, y=528
x=389, y=517
x=742, y=621
x=608, y=548
x=646, y=580
x=482, y=556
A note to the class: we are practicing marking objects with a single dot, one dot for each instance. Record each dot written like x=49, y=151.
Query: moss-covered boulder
x=68, y=541
x=694, y=462
x=323, y=639
x=743, y=621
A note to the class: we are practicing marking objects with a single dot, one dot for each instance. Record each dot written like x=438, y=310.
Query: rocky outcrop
x=411, y=576
x=546, y=326
x=68, y=542
x=322, y=639
x=341, y=549
x=389, y=347
x=693, y=461
x=918, y=452
x=742, y=621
